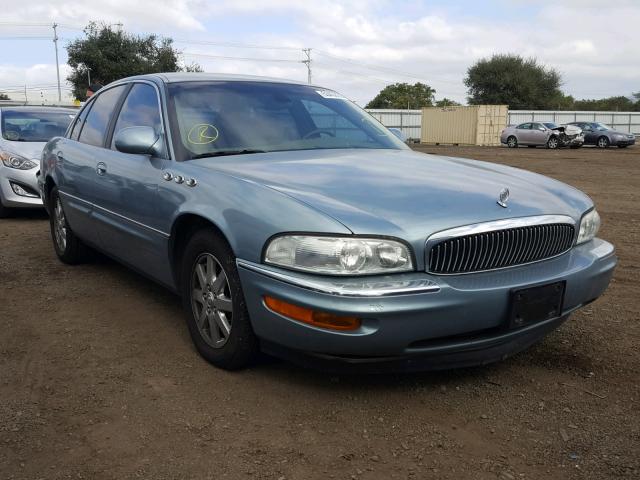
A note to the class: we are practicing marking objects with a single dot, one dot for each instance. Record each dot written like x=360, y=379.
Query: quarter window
x=97, y=122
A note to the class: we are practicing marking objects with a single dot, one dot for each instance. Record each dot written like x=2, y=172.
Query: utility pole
x=55, y=41
x=307, y=62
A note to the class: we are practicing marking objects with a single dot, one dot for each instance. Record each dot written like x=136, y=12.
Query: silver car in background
x=545, y=134
x=24, y=132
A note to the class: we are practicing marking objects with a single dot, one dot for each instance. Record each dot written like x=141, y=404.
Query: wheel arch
x=184, y=226
x=49, y=184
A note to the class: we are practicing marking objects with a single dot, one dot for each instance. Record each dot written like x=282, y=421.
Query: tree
x=616, y=104
x=445, y=102
x=521, y=83
x=403, y=95
x=4, y=96
x=107, y=55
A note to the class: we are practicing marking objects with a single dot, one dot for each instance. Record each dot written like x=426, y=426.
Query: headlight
x=589, y=226
x=16, y=161
x=339, y=255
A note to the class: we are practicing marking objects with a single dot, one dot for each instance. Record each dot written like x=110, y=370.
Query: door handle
x=101, y=168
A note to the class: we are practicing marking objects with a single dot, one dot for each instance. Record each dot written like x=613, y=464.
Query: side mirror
x=138, y=140
x=398, y=133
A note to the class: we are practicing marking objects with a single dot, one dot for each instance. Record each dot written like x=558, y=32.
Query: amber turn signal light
x=312, y=317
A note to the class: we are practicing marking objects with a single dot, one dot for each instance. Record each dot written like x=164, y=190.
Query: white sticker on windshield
x=330, y=94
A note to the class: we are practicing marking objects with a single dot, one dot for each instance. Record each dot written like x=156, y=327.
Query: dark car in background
x=596, y=133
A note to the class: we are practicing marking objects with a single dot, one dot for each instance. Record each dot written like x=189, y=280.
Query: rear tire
x=603, y=142
x=67, y=245
x=214, y=304
x=512, y=142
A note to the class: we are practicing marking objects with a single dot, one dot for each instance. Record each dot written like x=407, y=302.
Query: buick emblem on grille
x=504, y=196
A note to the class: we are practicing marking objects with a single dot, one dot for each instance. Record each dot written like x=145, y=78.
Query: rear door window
x=95, y=127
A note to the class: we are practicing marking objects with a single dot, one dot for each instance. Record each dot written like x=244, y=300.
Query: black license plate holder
x=536, y=304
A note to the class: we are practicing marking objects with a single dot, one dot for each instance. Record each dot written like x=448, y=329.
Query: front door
x=126, y=203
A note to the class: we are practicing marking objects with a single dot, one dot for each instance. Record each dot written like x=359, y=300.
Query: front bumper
x=454, y=321
x=25, y=179
x=626, y=141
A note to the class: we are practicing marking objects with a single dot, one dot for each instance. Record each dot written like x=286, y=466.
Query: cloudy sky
x=358, y=46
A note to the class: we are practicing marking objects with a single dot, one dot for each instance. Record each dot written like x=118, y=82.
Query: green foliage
x=403, y=95
x=4, y=96
x=113, y=54
x=193, y=67
x=615, y=104
x=445, y=102
x=521, y=83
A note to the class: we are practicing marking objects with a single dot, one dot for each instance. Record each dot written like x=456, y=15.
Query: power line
x=234, y=45
x=253, y=59
x=380, y=67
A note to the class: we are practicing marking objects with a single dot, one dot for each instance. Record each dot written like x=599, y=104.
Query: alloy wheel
x=603, y=142
x=553, y=142
x=60, y=226
x=211, y=300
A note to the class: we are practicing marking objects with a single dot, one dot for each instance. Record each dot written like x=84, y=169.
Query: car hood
x=400, y=192
x=30, y=150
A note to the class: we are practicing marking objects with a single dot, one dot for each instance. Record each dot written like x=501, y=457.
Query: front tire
x=603, y=142
x=553, y=143
x=512, y=142
x=213, y=301
x=67, y=245
x=623, y=146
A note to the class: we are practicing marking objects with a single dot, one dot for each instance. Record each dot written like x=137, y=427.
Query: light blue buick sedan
x=290, y=221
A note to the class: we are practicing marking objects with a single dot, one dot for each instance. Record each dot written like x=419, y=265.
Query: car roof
x=175, y=77
x=22, y=108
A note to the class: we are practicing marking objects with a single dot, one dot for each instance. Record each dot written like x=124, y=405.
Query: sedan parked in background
x=596, y=133
x=290, y=220
x=547, y=134
x=25, y=130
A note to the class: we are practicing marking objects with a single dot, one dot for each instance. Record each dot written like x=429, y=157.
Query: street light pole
x=55, y=41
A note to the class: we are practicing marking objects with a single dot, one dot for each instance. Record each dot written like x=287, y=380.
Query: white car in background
x=24, y=132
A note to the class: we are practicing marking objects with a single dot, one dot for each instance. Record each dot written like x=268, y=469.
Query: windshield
x=225, y=117
x=550, y=125
x=34, y=126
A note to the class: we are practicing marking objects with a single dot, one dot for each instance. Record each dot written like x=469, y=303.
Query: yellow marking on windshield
x=202, y=134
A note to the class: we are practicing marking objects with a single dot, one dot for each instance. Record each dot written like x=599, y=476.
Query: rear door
x=590, y=133
x=78, y=158
x=126, y=202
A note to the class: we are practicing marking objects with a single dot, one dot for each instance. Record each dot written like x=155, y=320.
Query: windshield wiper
x=222, y=153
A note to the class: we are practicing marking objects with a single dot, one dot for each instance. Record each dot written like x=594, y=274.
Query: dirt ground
x=98, y=377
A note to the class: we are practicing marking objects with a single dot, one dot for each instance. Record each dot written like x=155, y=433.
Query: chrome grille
x=495, y=249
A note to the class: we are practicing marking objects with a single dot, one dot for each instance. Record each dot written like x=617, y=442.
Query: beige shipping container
x=473, y=125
